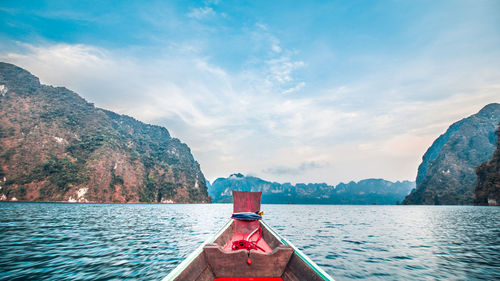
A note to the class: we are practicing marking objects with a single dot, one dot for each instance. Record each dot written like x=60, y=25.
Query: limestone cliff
x=55, y=146
x=447, y=172
x=487, y=191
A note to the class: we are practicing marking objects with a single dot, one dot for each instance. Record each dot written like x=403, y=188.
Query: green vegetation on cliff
x=447, y=175
x=487, y=191
x=55, y=146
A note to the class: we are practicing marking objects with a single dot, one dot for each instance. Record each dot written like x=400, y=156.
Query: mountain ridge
x=366, y=192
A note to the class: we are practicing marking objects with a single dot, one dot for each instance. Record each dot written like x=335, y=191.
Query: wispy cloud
x=296, y=88
x=278, y=64
x=201, y=13
x=246, y=94
x=228, y=126
x=301, y=169
x=232, y=127
x=280, y=69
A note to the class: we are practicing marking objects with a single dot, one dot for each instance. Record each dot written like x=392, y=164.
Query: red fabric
x=250, y=279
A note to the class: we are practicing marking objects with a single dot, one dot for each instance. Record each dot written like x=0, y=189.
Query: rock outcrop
x=447, y=175
x=487, y=191
x=55, y=146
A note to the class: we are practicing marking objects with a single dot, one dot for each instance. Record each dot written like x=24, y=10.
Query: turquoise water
x=51, y=241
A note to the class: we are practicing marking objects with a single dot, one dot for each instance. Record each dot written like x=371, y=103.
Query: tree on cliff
x=487, y=191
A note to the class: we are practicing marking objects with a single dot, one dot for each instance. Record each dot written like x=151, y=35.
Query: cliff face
x=369, y=191
x=487, y=191
x=55, y=146
x=447, y=172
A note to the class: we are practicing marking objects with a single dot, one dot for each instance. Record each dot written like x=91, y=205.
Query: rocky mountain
x=55, y=146
x=369, y=191
x=447, y=172
x=487, y=191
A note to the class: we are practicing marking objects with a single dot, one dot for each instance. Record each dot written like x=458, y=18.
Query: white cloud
x=201, y=13
x=276, y=48
x=282, y=68
x=245, y=122
x=296, y=88
x=300, y=169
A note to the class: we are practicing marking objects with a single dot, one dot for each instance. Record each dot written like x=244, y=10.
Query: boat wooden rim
x=314, y=271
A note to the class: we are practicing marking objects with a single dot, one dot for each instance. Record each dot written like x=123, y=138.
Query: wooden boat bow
x=216, y=260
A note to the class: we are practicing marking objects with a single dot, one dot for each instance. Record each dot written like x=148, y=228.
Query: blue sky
x=299, y=91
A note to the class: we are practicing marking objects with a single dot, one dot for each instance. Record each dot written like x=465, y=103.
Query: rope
x=247, y=244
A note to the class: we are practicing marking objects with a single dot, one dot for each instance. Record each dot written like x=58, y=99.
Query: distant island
x=364, y=192
x=55, y=146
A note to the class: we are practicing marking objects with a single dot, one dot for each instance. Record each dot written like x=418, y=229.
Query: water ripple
x=47, y=241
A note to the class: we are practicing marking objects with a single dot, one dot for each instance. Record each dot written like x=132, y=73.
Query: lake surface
x=57, y=241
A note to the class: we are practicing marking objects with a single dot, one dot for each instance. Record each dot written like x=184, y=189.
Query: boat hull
x=211, y=262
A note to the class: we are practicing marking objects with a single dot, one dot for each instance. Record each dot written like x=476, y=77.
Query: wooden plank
x=297, y=269
x=241, y=226
x=289, y=276
x=270, y=239
x=206, y=275
x=244, y=201
x=234, y=263
x=195, y=269
x=226, y=235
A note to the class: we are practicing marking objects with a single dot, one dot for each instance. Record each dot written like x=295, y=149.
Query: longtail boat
x=246, y=248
